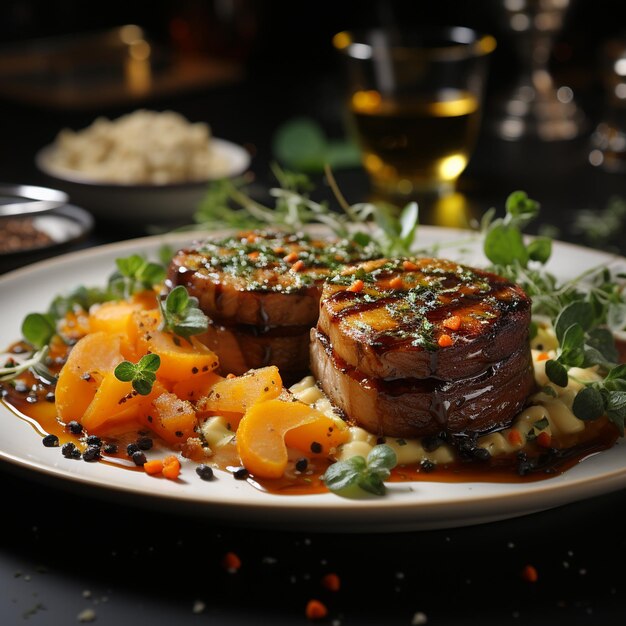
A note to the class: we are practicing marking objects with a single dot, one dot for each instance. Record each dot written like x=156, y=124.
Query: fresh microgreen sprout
x=181, y=314
x=503, y=241
x=34, y=362
x=38, y=329
x=135, y=273
x=357, y=473
x=141, y=375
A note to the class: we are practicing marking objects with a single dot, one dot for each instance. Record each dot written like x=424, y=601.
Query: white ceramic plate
x=145, y=203
x=408, y=506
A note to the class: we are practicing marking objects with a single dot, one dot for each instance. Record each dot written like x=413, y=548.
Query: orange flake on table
x=331, y=582
x=231, y=562
x=315, y=610
x=529, y=574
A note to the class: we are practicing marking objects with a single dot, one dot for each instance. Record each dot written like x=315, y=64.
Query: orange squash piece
x=238, y=394
x=180, y=358
x=89, y=361
x=116, y=401
x=196, y=387
x=263, y=432
x=173, y=419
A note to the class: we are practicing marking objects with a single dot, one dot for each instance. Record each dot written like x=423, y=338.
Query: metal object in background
x=20, y=200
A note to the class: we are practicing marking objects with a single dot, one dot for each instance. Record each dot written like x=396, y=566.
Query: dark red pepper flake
x=194, y=370
x=50, y=441
x=316, y=447
x=179, y=433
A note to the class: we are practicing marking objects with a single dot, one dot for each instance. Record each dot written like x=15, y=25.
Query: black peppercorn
x=93, y=440
x=110, y=448
x=302, y=464
x=204, y=471
x=131, y=448
x=241, y=473
x=316, y=447
x=50, y=441
x=70, y=451
x=92, y=453
x=144, y=443
x=139, y=458
x=74, y=427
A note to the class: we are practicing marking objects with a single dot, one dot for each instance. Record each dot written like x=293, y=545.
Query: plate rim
x=565, y=489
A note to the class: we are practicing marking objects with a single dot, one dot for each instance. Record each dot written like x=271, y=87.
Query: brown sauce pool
x=32, y=400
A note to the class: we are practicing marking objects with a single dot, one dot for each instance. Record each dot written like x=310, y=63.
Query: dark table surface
x=63, y=552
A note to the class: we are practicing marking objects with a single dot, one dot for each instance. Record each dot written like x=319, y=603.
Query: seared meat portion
x=415, y=407
x=391, y=328
x=418, y=346
x=261, y=290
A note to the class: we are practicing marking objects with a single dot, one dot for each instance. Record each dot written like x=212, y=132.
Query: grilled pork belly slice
x=413, y=407
x=262, y=278
x=241, y=348
x=391, y=328
x=261, y=291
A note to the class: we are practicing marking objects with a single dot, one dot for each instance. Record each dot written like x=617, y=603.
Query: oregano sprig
x=181, y=314
x=358, y=473
x=135, y=273
x=141, y=375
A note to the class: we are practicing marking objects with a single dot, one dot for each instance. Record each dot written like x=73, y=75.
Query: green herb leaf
x=142, y=375
x=616, y=409
x=368, y=475
x=588, y=404
x=182, y=315
x=409, y=220
x=578, y=312
x=540, y=249
x=134, y=273
x=556, y=373
x=504, y=245
x=38, y=329
x=301, y=143
x=521, y=209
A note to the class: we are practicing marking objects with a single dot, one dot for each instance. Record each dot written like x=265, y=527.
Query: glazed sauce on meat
x=32, y=400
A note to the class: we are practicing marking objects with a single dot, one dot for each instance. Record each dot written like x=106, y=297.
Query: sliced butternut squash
x=116, y=400
x=171, y=418
x=196, y=387
x=93, y=356
x=238, y=394
x=180, y=358
x=262, y=434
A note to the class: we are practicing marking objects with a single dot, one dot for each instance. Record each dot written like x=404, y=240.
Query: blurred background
x=251, y=69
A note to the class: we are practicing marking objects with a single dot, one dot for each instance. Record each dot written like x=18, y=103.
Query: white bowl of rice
x=146, y=166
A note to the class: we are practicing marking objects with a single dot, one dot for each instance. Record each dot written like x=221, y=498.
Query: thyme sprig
x=228, y=204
